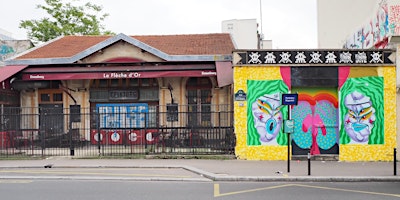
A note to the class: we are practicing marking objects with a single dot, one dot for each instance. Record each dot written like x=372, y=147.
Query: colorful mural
x=265, y=112
x=385, y=23
x=342, y=110
x=362, y=111
x=316, y=126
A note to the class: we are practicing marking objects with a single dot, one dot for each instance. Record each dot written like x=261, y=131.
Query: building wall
x=324, y=117
x=336, y=20
x=80, y=91
x=374, y=32
x=121, y=50
x=244, y=32
x=10, y=48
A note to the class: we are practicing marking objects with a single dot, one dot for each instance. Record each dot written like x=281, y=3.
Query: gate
x=55, y=131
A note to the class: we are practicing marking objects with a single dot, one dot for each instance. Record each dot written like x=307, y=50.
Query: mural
x=394, y=19
x=316, y=115
x=384, y=23
x=342, y=110
x=362, y=111
x=10, y=48
x=265, y=112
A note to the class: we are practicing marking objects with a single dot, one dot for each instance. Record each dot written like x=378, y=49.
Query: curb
x=207, y=175
x=229, y=178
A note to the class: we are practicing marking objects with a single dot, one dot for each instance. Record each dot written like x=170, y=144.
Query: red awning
x=224, y=73
x=8, y=71
x=97, y=71
x=117, y=74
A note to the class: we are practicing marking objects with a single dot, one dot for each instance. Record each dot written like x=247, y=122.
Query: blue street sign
x=289, y=99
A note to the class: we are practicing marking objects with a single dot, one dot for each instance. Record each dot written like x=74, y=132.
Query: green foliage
x=65, y=19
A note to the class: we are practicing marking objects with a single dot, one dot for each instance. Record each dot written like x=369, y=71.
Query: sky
x=288, y=23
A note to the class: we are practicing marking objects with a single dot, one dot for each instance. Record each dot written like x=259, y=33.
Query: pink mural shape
x=315, y=122
x=344, y=72
x=285, y=73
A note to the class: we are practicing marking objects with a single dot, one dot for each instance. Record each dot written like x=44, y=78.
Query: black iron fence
x=115, y=131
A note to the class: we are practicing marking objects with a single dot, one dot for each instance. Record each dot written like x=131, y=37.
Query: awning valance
x=116, y=72
x=117, y=75
x=8, y=71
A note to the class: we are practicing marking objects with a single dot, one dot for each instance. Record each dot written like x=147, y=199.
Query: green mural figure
x=362, y=111
x=265, y=113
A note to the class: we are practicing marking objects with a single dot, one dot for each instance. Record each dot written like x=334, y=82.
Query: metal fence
x=126, y=130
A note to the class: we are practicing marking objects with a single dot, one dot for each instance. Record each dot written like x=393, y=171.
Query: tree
x=65, y=19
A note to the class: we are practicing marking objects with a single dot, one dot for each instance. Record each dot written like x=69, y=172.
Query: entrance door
x=316, y=122
x=316, y=115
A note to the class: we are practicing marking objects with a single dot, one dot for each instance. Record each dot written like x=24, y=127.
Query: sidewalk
x=235, y=170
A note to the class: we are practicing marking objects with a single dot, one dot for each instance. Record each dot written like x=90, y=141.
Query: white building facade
x=245, y=34
x=336, y=20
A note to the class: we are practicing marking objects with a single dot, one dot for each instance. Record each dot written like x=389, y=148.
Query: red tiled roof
x=191, y=44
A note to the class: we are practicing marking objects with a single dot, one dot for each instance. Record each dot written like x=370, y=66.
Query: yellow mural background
x=346, y=152
x=262, y=152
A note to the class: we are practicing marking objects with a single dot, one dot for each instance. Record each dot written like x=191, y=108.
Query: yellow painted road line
x=91, y=173
x=348, y=190
x=218, y=194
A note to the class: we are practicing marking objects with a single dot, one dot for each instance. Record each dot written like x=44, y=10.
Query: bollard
x=72, y=152
x=394, y=162
x=309, y=163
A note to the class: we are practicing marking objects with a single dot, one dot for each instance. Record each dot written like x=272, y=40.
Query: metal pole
x=309, y=163
x=98, y=131
x=288, y=146
x=71, y=145
x=395, y=162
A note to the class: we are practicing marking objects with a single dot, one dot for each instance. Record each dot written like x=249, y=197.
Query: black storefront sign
x=316, y=57
x=123, y=95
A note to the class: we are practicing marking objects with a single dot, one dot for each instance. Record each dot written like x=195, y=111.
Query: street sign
x=240, y=95
x=289, y=99
x=288, y=126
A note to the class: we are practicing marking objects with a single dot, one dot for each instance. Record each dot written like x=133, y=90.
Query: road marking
x=348, y=190
x=218, y=194
x=15, y=181
x=90, y=173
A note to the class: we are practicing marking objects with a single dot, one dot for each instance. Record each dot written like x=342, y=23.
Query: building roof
x=163, y=46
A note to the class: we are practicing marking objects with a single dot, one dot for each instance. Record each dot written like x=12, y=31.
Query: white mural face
x=267, y=117
x=360, y=117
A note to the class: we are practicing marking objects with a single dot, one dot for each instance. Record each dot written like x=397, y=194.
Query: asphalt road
x=22, y=189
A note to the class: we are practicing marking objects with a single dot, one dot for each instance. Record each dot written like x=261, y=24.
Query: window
x=124, y=90
x=50, y=96
x=199, y=101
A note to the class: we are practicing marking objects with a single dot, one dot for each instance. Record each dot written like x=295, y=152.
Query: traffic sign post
x=289, y=100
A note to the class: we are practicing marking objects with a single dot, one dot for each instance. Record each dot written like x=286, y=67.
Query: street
x=21, y=189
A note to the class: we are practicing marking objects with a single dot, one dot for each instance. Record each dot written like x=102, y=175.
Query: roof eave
x=89, y=51
x=45, y=61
